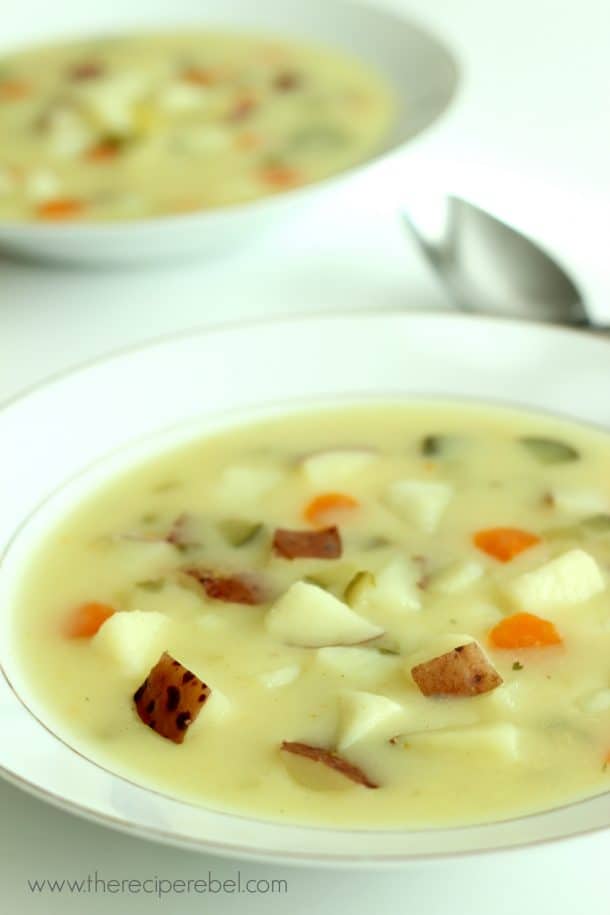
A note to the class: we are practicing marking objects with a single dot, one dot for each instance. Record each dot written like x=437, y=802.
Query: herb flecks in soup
x=142, y=126
x=389, y=615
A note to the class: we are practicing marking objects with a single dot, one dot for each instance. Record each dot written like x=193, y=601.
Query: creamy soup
x=139, y=126
x=387, y=615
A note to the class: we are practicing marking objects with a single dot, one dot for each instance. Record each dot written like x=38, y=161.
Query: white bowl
x=60, y=431
x=420, y=69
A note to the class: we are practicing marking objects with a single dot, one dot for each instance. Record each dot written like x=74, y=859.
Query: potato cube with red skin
x=322, y=544
x=232, y=589
x=464, y=671
x=330, y=759
x=171, y=698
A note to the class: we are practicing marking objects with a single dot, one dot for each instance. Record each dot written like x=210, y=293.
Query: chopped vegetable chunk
x=367, y=715
x=13, y=90
x=181, y=534
x=329, y=505
x=432, y=445
x=239, y=533
x=358, y=587
x=330, y=759
x=579, y=501
x=419, y=502
x=323, y=544
x=280, y=177
x=549, y=450
x=361, y=667
x=501, y=740
x=234, y=589
x=465, y=671
x=457, y=577
x=568, y=579
x=87, y=619
x=337, y=466
x=309, y=616
x=504, y=543
x=170, y=699
x=133, y=639
x=396, y=587
x=524, y=630
x=60, y=208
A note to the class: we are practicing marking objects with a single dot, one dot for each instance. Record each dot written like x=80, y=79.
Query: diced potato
x=218, y=707
x=41, y=184
x=311, y=775
x=242, y=489
x=332, y=468
x=457, y=577
x=394, y=588
x=419, y=502
x=208, y=139
x=181, y=96
x=133, y=639
x=171, y=698
x=479, y=614
x=366, y=716
x=569, y=579
x=361, y=666
x=110, y=102
x=328, y=758
x=309, y=616
x=579, y=501
x=426, y=714
x=596, y=702
x=143, y=560
x=68, y=134
x=282, y=676
x=463, y=671
x=501, y=739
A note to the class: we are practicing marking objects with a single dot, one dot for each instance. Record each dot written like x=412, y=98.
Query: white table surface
x=529, y=137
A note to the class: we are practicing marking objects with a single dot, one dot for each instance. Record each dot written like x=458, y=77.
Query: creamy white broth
x=538, y=740
x=145, y=125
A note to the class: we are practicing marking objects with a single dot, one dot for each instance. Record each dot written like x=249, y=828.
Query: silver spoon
x=488, y=267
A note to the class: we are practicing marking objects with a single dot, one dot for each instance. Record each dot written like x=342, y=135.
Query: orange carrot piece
x=104, y=150
x=248, y=139
x=87, y=619
x=319, y=510
x=281, y=176
x=199, y=76
x=504, y=543
x=12, y=90
x=60, y=208
x=524, y=630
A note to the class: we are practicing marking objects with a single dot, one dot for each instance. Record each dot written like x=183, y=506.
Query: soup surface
x=387, y=615
x=146, y=125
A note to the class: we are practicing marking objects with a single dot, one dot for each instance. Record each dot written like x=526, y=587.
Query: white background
x=530, y=138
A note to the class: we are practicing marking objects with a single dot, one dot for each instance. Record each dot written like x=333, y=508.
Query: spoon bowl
x=487, y=266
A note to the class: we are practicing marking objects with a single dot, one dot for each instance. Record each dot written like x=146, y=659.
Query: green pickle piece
x=549, y=450
x=239, y=533
x=151, y=584
x=358, y=586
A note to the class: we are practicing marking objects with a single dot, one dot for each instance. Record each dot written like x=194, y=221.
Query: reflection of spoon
x=488, y=267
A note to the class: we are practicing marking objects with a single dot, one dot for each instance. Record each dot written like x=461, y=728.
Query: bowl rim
x=378, y=156
x=281, y=318
x=248, y=852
